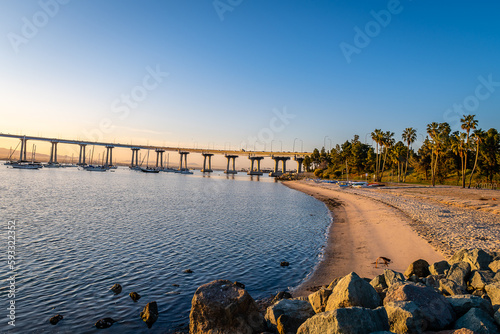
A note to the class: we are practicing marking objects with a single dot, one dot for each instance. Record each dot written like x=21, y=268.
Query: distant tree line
x=462, y=157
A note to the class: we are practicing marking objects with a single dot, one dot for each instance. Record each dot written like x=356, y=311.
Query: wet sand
x=363, y=229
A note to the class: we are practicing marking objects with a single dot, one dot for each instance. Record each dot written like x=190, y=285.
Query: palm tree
x=378, y=138
x=468, y=124
x=409, y=136
x=439, y=134
x=478, y=136
x=388, y=142
x=458, y=146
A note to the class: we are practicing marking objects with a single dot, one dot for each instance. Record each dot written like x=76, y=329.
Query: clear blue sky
x=225, y=69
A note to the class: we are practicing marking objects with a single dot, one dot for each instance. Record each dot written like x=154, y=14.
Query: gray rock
x=353, y=291
x=319, y=299
x=393, y=277
x=224, y=308
x=405, y=317
x=493, y=291
x=434, y=307
x=459, y=273
x=150, y=314
x=297, y=311
x=287, y=325
x=495, y=266
x=439, y=268
x=419, y=268
x=450, y=288
x=496, y=316
x=351, y=320
x=281, y=295
x=378, y=282
x=480, y=278
x=477, y=258
x=478, y=321
x=462, y=304
x=432, y=281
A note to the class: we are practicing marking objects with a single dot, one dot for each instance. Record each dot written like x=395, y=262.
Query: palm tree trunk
x=475, y=163
x=406, y=168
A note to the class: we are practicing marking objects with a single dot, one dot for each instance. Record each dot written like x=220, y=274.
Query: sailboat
x=147, y=169
x=96, y=168
x=168, y=169
x=28, y=165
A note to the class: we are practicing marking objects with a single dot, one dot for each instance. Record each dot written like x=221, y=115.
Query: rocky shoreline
x=461, y=295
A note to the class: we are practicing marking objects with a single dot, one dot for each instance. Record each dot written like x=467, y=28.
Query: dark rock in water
x=55, y=319
x=175, y=285
x=104, y=323
x=150, y=314
x=281, y=295
x=284, y=264
x=240, y=285
x=420, y=268
x=222, y=307
x=135, y=296
x=117, y=288
x=188, y=271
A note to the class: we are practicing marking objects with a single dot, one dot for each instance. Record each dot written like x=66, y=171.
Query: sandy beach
x=401, y=223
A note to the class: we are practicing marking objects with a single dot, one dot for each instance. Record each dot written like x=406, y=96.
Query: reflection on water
x=80, y=232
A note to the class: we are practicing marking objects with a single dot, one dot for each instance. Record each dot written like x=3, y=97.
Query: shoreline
x=362, y=229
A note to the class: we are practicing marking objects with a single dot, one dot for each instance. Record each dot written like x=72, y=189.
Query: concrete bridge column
x=252, y=170
x=231, y=171
x=205, y=169
x=22, y=156
x=53, y=153
x=300, y=161
x=159, y=157
x=183, y=156
x=81, y=157
x=109, y=156
x=135, y=156
x=276, y=169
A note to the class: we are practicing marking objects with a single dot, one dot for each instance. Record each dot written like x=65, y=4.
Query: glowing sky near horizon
x=191, y=73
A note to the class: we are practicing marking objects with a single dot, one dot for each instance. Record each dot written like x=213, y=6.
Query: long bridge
x=255, y=157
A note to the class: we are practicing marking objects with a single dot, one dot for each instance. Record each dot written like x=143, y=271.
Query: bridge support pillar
x=252, y=170
x=205, y=156
x=300, y=161
x=134, y=162
x=277, y=160
x=81, y=157
x=159, y=157
x=53, y=153
x=183, y=157
x=22, y=156
x=109, y=156
x=229, y=158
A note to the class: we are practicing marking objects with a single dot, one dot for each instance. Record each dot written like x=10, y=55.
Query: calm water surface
x=79, y=232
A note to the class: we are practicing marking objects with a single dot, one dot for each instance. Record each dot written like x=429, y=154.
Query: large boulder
x=432, y=281
x=496, y=316
x=495, y=266
x=480, y=278
x=419, y=268
x=353, y=291
x=478, y=321
x=450, y=288
x=405, y=317
x=393, y=277
x=378, y=282
x=439, y=268
x=351, y=320
x=477, y=258
x=223, y=307
x=436, y=310
x=459, y=273
x=150, y=313
x=296, y=312
x=463, y=304
x=493, y=291
x=319, y=299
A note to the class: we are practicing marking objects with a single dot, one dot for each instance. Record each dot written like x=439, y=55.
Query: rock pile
x=461, y=295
